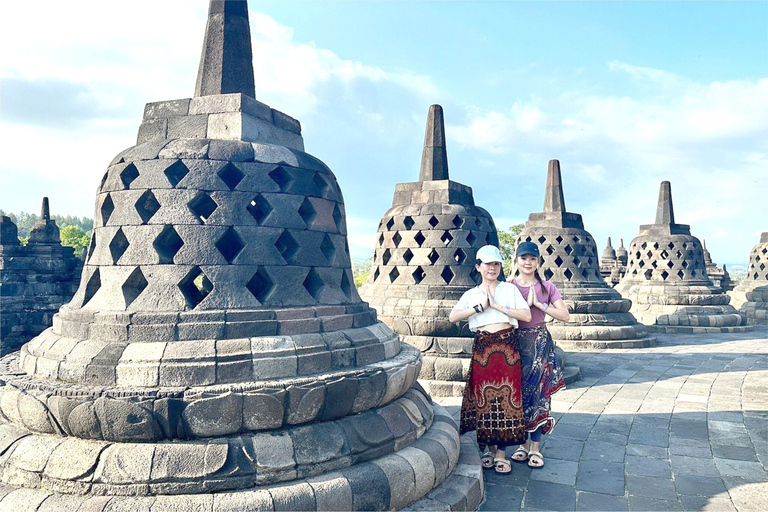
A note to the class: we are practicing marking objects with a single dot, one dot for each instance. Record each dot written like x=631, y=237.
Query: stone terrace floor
x=679, y=426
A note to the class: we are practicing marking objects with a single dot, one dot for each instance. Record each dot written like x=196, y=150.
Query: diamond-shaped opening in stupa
x=670, y=264
x=287, y=246
x=146, y=206
x=447, y=275
x=259, y=208
x=654, y=264
x=93, y=285
x=313, y=283
x=381, y=239
x=418, y=275
x=459, y=256
x=231, y=175
x=167, y=244
x=559, y=239
x=433, y=221
x=576, y=260
x=474, y=275
x=407, y=255
x=664, y=274
x=338, y=218
x=393, y=275
x=541, y=239
x=195, y=287
x=680, y=274
x=328, y=249
x=346, y=285
x=671, y=245
x=91, y=245
x=558, y=261
x=260, y=285
x=176, y=172
x=230, y=244
x=684, y=264
x=419, y=238
x=307, y=212
x=118, y=245
x=641, y=263
x=447, y=238
x=548, y=274
x=433, y=256
x=129, y=175
x=550, y=250
x=575, y=239
x=386, y=256
x=648, y=274
x=320, y=183
x=396, y=239
x=408, y=222
x=457, y=221
x=103, y=181
x=107, y=207
x=203, y=206
x=664, y=254
x=568, y=249
x=568, y=274
x=471, y=238
x=390, y=223
x=376, y=274
x=133, y=286
x=281, y=177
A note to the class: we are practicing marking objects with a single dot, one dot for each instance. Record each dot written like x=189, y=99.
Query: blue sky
x=624, y=94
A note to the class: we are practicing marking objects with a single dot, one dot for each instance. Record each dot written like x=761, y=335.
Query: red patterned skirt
x=492, y=403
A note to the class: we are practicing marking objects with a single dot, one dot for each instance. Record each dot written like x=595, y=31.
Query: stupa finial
x=554, y=200
x=226, y=63
x=434, y=158
x=45, y=211
x=665, y=212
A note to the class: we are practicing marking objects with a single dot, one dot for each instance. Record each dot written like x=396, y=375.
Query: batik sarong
x=541, y=376
x=492, y=402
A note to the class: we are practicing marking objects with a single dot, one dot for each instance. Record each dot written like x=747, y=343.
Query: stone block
x=371, y=389
x=165, y=109
x=263, y=410
x=340, y=396
x=275, y=451
x=230, y=151
x=74, y=459
x=152, y=130
x=121, y=420
x=217, y=416
x=318, y=443
x=304, y=403
x=370, y=487
x=246, y=501
x=332, y=492
x=296, y=496
x=192, y=127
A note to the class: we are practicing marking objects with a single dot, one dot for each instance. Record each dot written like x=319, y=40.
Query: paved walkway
x=679, y=426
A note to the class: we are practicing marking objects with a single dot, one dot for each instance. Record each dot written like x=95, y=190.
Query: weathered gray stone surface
x=599, y=317
x=751, y=295
x=35, y=280
x=667, y=282
x=425, y=259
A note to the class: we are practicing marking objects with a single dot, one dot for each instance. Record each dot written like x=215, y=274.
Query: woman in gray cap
x=541, y=372
x=492, y=397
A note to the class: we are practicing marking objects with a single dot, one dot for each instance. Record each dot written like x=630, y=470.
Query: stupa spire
x=434, y=158
x=45, y=211
x=554, y=200
x=226, y=63
x=665, y=212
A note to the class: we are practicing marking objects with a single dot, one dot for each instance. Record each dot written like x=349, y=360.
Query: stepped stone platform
x=217, y=355
x=600, y=317
x=425, y=260
x=667, y=281
x=751, y=295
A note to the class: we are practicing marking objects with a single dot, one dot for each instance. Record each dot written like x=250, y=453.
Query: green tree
x=73, y=236
x=507, y=244
x=360, y=271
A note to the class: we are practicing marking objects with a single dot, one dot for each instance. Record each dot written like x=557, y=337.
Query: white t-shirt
x=506, y=294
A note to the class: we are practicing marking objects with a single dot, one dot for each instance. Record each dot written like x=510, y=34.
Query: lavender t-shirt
x=548, y=295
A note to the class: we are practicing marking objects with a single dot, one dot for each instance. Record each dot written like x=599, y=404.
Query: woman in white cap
x=492, y=397
x=541, y=372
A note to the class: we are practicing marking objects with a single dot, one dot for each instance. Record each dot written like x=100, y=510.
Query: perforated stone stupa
x=667, y=281
x=425, y=260
x=600, y=317
x=751, y=295
x=217, y=355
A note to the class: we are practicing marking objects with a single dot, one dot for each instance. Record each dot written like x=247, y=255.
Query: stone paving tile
x=651, y=487
x=644, y=450
x=502, y=497
x=556, y=471
x=561, y=448
x=644, y=466
x=707, y=504
x=697, y=466
x=643, y=503
x=588, y=501
x=696, y=485
x=604, y=450
x=548, y=496
x=601, y=477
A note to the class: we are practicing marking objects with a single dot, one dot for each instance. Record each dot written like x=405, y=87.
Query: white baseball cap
x=489, y=254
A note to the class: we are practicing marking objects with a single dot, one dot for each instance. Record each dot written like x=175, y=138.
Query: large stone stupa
x=600, y=317
x=751, y=295
x=667, y=281
x=425, y=260
x=217, y=355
